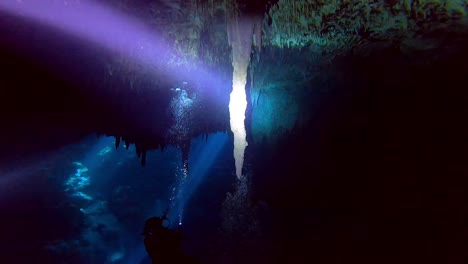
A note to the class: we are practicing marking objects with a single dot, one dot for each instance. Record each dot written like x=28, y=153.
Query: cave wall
x=378, y=170
x=305, y=39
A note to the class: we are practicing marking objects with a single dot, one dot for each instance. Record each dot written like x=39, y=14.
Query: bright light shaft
x=241, y=32
x=202, y=157
x=13, y=177
x=101, y=25
x=92, y=22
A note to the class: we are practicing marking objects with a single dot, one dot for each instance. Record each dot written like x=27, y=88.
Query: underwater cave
x=286, y=131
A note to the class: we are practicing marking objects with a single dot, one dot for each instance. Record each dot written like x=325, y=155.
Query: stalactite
x=117, y=141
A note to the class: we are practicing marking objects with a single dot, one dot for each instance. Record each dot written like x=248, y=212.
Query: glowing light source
x=237, y=108
x=241, y=36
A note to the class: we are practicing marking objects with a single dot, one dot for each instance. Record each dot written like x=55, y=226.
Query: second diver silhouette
x=164, y=245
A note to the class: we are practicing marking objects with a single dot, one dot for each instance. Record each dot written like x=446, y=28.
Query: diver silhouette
x=163, y=245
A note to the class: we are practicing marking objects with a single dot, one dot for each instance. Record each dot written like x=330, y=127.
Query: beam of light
x=202, y=157
x=14, y=180
x=16, y=175
x=113, y=30
x=241, y=32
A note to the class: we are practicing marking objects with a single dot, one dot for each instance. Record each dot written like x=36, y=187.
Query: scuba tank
x=166, y=223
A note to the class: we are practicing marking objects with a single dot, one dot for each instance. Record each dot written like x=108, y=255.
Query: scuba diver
x=163, y=244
